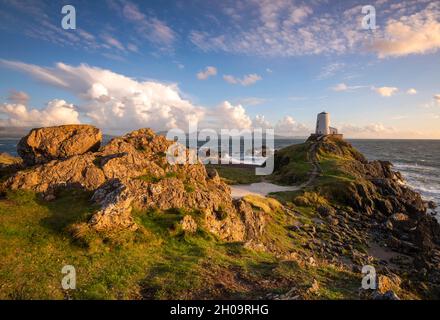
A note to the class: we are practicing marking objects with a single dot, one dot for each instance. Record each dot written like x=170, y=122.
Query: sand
x=260, y=188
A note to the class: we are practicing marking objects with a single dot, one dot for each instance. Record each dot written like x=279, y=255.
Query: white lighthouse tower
x=323, y=126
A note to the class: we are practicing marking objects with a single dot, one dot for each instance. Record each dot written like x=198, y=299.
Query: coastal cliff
x=177, y=233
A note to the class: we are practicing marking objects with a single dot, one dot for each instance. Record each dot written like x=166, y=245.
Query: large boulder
x=45, y=144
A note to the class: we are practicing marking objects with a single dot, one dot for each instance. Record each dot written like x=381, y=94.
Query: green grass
x=292, y=164
x=160, y=262
x=236, y=175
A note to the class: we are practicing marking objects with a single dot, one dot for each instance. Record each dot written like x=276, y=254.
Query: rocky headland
x=124, y=199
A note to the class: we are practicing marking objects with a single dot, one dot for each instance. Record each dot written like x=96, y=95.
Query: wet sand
x=259, y=188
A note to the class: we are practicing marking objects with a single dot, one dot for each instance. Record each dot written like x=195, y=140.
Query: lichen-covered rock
x=188, y=224
x=74, y=171
x=115, y=213
x=45, y=144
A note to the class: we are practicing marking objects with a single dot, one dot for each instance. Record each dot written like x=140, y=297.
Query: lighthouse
x=323, y=126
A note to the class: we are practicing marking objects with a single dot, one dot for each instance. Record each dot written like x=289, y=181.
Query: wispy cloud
x=330, y=70
x=113, y=42
x=287, y=28
x=18, y=97
x=252, y=101
x=344, y=87
x=246, y=80
x=147, y=26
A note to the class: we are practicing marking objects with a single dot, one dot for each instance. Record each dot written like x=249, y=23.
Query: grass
x=154, y=179
x=236, y=175
x=159, y=263
x=292, y=164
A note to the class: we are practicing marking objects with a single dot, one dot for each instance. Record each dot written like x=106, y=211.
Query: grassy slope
x=295, y=165
x=158, y=262
x=236, y=175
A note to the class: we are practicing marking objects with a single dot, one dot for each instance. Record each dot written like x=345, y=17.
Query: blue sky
x=233, y=64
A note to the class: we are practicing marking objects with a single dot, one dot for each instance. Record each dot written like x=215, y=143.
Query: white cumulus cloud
x=386, y=91
x=56, y=112
x=417, y=33
x=289, y=127
x=112, y=100
x=231, y=116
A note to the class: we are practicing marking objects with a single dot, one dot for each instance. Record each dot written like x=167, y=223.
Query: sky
x=224, y=64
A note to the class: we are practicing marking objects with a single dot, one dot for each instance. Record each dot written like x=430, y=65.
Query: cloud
x=232, y=117
x=282, y=28
x=344, y=87
x=330, y=70
x=340, y=87
x=437, y=98
x=288, y=28
x=378, y=130
x=208, y=72
x=247, y=80
x=146, y=26
x=297, y=15
x=18, y=97
x=418, y=33
x=369, y=128
x=289, y=127
x=411, y=91
x=251, y=101
x=132, y=47
x=113, y=42
x=56, y=112
x=111, y=100
x=261, y=122
x=386, y=91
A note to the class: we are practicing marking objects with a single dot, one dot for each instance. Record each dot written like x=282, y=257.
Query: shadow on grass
x=70, y=206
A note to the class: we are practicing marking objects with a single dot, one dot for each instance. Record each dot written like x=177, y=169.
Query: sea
x=417, y=160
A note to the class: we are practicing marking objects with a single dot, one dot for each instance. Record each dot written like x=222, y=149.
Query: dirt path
x=264, y=188
x=316, y=167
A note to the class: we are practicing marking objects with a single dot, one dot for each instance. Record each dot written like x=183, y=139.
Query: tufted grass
x=160, y=262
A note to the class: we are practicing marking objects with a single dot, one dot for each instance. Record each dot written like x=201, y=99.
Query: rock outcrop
x=368, y=196
x=9, y=164
x=45, y=144
x=132, y=171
